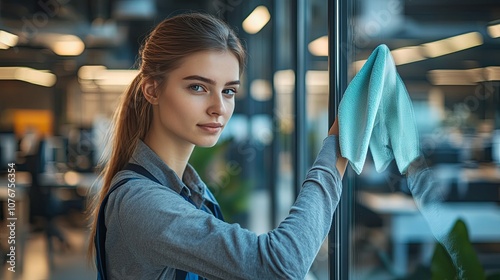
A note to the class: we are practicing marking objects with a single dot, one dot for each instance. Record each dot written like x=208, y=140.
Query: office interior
x=64, y=65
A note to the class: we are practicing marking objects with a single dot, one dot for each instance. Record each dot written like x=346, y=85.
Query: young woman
x=162, y=222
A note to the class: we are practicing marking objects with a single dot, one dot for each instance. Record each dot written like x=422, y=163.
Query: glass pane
x=316, y=103
x=317, y=89
x=446, y=55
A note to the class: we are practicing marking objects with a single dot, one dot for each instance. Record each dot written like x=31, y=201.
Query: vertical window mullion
x=300, y=131
x=339, y=43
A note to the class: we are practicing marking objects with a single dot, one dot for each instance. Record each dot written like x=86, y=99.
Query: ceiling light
x=317, y=78
x=61, y=44
x=99, y=75
x=261, y=90
x=67, y=45
x=259, y=17
x=317, y=82
x=90, y=72
x=117, y=77
x=284, y=81
x=29, y=75
x=319, y=47
x=452, y=44
x=7, y=40
x=36, y=77
x=494, y=30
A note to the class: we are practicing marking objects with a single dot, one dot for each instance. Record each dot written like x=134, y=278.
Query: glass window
x=406, y=229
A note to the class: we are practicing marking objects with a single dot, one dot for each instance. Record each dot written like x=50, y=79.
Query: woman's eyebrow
x=237, y=82
x=209, y=81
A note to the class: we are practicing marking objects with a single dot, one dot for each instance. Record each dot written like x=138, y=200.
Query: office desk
x=464, y=177
x=62, y=185
x=484, y=172
x=69, y=179
x=407, y=225
x=82, y=182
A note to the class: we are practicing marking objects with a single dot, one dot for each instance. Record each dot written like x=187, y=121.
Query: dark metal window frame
x=300, y=144
x=340, y=13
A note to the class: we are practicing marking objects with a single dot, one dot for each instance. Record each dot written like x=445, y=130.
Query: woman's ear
x=149, y=91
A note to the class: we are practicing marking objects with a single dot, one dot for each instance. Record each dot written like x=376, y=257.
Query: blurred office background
x=64, y=64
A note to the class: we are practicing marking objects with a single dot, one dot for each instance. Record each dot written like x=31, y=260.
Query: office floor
x=68, y=263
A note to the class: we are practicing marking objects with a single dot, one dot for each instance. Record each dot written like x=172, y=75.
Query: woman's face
x=198, y=98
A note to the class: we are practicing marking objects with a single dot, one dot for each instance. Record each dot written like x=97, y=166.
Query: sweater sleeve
x=162, y=229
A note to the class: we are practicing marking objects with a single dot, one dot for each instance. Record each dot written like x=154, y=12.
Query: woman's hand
x=341, y=161
x=334, y=129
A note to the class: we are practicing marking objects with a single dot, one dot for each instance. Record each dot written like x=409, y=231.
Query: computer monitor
x=54, y=151
x=8, y=149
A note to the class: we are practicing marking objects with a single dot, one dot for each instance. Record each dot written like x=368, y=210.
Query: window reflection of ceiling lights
x=434, y=49
x=443, y=77
x=261, y=90
x=319, y=47
x=317, y=81
x=452, y=44
x=407, y=55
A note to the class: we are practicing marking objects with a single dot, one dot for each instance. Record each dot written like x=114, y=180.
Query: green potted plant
x=224, y=179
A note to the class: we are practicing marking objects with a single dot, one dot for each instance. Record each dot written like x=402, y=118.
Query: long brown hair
x=163, y=51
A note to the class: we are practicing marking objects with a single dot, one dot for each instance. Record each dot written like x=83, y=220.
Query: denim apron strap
x=210, y=206
x=100, y=237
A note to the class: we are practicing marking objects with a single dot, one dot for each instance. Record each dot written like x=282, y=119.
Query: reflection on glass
x=410, y=226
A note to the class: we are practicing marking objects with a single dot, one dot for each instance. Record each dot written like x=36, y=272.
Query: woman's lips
x=211, y=127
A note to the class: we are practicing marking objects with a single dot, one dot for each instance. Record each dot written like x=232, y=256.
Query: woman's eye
x=197, y=88
x=229, y=91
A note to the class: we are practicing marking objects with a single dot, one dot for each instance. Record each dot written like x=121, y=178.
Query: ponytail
x=131, y=121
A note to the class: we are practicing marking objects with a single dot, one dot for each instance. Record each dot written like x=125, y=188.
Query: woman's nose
x=217, y=106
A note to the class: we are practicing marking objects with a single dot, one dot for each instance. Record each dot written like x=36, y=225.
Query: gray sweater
x=152, y=230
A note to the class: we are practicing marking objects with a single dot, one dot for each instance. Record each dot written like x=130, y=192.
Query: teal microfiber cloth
x=377, y=112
